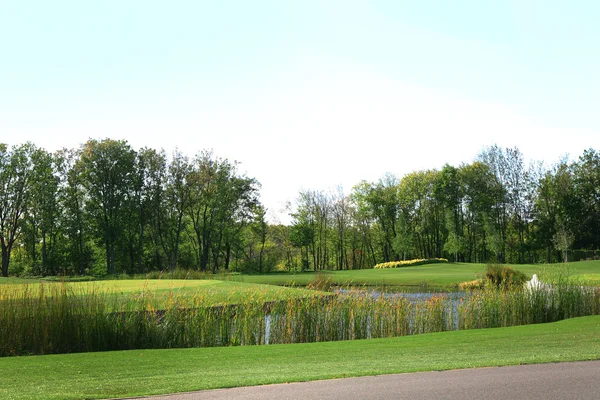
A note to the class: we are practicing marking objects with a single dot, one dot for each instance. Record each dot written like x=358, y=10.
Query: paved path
x=575, y=380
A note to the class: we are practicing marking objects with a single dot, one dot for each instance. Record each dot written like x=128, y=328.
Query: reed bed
x=57, y=318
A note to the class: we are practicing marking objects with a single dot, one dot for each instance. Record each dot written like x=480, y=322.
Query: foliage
x=504, y=277
x=107, y=208
x=410, y=263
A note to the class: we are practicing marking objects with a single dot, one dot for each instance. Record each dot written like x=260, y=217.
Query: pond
x=451, y=302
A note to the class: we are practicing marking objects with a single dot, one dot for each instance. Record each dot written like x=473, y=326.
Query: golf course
x=172, y=335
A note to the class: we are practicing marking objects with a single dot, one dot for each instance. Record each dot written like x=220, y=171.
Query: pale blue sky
x=305, y=93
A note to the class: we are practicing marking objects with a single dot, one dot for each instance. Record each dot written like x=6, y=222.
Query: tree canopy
x=108, y=208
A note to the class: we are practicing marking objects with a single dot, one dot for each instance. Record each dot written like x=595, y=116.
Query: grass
x=12, y=280
x=147, y=372
x=47, y=318
x=430, y=276
x=214, y=291
x=55, y=318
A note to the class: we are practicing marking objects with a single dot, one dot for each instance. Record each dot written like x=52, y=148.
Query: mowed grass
x=12, y=280
x=430, y=276
x=147, y=372
x=158, y=292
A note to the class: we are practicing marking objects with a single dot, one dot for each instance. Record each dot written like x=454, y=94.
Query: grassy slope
x=144, y=372
x=433, y=275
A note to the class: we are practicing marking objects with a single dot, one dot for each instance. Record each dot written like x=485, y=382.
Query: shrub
x=504, y=277
x=409, y=263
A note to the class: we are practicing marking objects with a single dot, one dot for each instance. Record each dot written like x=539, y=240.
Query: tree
x=341, y=215
x=586, y=182
x=563, y=238
x=449, y=192
x=363, y=250
x=478, y=186
x=260, y=230
x=107, y=167
x=171, y=197
x=16, y=170
x=555, y=200
x=220, y=204
x=382, y=204
x=143, y=203
x=73, y=219
x=43, y=213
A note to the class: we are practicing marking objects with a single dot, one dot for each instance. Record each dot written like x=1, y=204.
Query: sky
x=305, y=94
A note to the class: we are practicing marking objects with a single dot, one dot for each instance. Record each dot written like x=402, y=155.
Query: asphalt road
x=574, y=380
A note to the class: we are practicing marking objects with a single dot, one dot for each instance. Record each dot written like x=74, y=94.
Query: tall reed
x=61, y=318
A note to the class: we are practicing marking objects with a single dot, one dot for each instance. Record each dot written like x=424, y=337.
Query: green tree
x=563, y=238
x=586, y=182
x=220, y=202
x=41, y=227
x=16, y=171
x=107, y=167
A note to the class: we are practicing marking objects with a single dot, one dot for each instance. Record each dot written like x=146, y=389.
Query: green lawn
x=146, y=372
x=12, y=280
x=431, y=276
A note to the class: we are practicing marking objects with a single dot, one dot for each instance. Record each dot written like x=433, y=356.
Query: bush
x=504, y=277
x=409, y=263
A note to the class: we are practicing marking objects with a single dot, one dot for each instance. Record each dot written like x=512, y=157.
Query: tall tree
x=16, y=170
x=586, y=181
x=43, y=214
x=219, y=200
x=477, y=182
x=107, y=168
x=260, y=229
x=449, y=192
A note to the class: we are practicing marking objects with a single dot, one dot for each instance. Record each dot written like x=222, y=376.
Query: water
x=455, y=298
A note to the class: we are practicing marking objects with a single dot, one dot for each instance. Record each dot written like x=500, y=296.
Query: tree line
x=495, y=208
x=107, y=208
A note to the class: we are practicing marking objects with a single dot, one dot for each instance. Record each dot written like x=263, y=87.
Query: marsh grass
x=189, y=274
x=61, y=318
x=561, y=296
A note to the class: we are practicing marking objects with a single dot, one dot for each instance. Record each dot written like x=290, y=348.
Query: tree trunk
x=260, y=257
x=140, y=249
x=227, y=254
x=5, y=259
x=44, y=256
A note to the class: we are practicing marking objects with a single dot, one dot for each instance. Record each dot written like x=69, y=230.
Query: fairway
x=430, y=276
x=146, y=372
